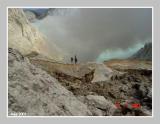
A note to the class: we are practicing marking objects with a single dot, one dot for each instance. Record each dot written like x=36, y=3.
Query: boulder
x=98, y=105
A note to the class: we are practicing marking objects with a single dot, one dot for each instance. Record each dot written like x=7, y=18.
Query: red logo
x=134, y=105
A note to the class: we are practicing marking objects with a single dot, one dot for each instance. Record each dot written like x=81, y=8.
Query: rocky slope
x=57, y=89
x=134, y=80
x=144, y=53
x=116, y=80
x=26, y=38
x=34, y=92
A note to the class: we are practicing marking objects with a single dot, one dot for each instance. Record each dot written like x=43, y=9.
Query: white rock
x=26, y=38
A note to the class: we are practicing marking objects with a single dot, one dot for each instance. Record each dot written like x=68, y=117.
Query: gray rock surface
x=34, y=92
x=101, y=103
x=98, y=105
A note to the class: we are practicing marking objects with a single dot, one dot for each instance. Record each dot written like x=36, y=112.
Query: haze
x=98, y=34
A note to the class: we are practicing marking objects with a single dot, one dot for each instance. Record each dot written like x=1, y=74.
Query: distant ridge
x=144, y=53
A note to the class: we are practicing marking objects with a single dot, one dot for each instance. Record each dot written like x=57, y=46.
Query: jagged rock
x=34, y=92
x=102, y=72
x=101, y=103
x=26, y=38
x=98, y=105
x=30, y=16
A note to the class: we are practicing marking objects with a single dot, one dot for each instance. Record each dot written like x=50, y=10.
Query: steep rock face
x=26, y=38
x=144, y=53
x=34, y=92
x=30, y=16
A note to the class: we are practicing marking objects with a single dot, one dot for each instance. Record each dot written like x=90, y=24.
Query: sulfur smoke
x=97, y=34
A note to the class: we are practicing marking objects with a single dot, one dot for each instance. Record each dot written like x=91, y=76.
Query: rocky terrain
x=34, y=92
x=26, y=38
x=30, y=16
x=40, y=87
x=40, y=84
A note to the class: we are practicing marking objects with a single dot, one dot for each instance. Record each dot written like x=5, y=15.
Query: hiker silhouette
x=71, y=59
x=75, y=60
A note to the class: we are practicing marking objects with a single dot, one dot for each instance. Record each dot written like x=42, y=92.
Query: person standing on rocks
x=71, y=60
x=75, y=59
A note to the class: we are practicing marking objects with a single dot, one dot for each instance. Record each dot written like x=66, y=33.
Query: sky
x=98, y=34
